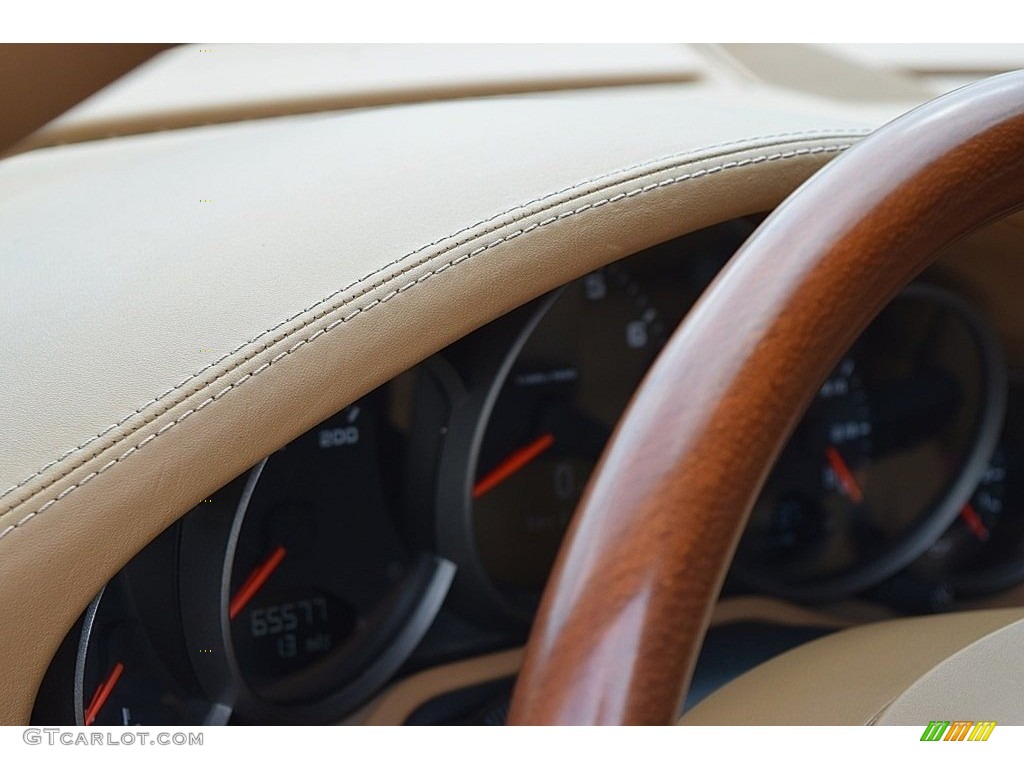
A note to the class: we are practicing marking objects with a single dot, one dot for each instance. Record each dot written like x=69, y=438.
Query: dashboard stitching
x=519, y=207
x=441, y=268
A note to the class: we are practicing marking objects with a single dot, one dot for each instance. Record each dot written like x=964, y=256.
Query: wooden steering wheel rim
x=627, y=606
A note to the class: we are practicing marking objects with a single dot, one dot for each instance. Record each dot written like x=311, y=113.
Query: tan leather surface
x=165, y=344
x=399, y=700
x=846, y=678
x=824, y=71
x=397, y=703
x=982, y=681
x=214, y=83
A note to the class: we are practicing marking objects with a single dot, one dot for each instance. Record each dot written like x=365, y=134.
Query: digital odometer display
x=285, y=631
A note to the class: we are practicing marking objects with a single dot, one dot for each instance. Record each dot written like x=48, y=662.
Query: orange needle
x=254, y=581
x=515, y=461
x=103, y=693
x=973, y=520
x=838, y=464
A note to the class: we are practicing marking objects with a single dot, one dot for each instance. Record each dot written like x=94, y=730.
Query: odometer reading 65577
x=287, y=632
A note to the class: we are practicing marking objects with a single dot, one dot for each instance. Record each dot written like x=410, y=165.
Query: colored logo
x=958, y=730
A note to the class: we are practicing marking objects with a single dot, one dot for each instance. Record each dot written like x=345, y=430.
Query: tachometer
x=523, y=443
x=551, y=420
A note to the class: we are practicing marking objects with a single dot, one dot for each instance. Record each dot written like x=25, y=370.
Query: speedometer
x=317, y=598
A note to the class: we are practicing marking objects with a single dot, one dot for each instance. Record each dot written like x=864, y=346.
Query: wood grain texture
x=626, y=609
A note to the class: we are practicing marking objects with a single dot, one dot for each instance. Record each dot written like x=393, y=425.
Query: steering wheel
x=627, y=606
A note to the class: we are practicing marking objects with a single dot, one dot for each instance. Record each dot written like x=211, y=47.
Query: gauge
x=131, y=667
x=321, y=597
x=971, y=532
x=125, y=662
x=817, y=487
x=982, y=551
x=886, y=457
x=120, y=678
x=530, y=436
x=552, y=418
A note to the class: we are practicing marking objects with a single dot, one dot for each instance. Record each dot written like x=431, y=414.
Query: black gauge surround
x=127, y=654
x=120, y=678
x=934, y=384
x=312, y=596
x=524, y=439
x=982, y=551
x=554, y=414
x=981, y=520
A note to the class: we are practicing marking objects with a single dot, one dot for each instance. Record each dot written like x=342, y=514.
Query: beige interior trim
x=182, y=304
x=849, y=677
x=982, y=681
x=216, y=83
x=822, y=71
x=397, y=703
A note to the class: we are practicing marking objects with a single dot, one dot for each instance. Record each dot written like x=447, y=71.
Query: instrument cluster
x=419, y=524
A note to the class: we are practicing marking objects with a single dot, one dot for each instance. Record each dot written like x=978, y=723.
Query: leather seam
x=803, y=151
x=820, y=134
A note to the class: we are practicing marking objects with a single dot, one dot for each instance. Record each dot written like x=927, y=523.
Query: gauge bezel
x=88, y=619
x=212, y=539
x=215, y=713
x=466, y=430
x=933, y=523
x=494, y=352
x=1004, y=574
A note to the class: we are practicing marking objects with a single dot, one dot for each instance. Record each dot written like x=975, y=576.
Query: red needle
x=515, y=461
x=254, y=581
x=973, y=520
x=838, y=464
x=103, y=693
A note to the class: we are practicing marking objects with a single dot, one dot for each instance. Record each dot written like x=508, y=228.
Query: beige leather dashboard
x=181, y=304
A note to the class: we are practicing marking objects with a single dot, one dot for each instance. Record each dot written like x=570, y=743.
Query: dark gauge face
x=982, y=551
x=538, y=412
x=320, y=582
x=979, y=520
x=121, y=679
x=304, y=579
x=811, y=505
x=886, y=457
x=556, y=410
